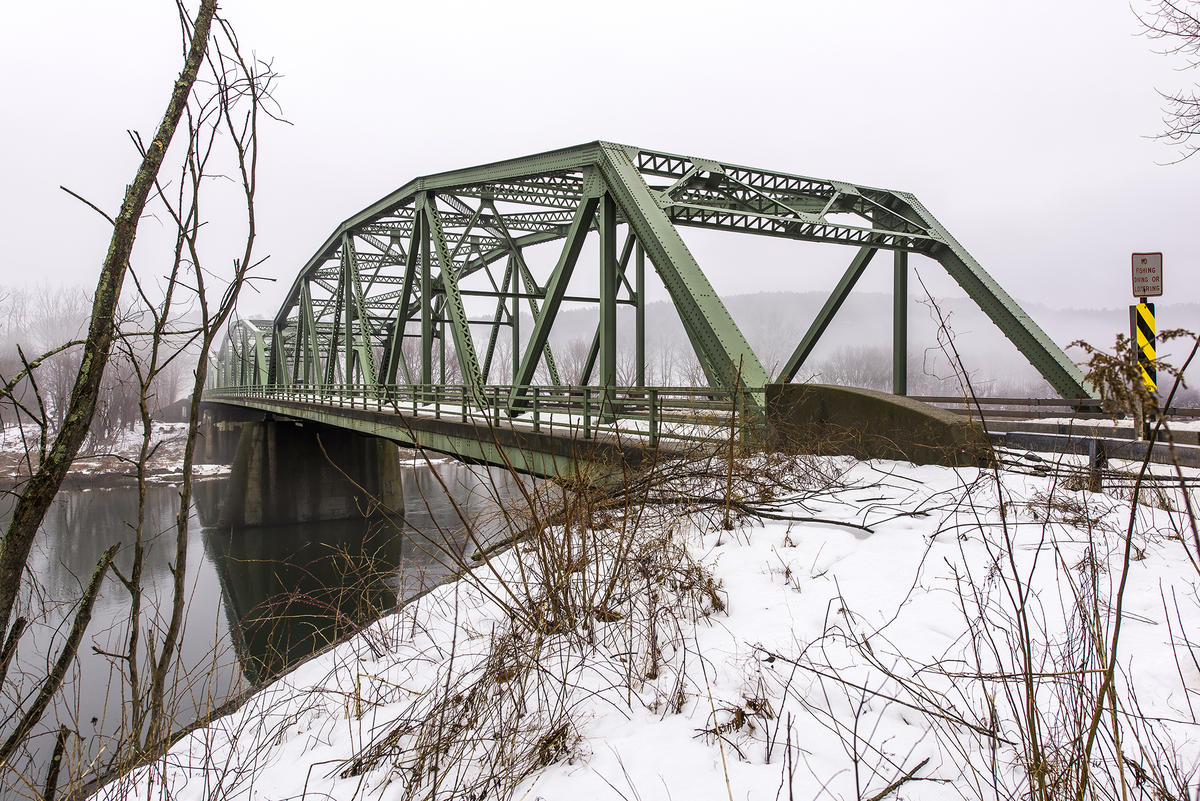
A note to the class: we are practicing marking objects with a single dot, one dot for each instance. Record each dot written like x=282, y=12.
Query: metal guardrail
x=1014, y=423
x=1083, y=408
x=696, y=414
x=676, y=414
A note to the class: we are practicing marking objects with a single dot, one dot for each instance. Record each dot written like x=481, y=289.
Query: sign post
x=1147, y=276
x=1141, y=332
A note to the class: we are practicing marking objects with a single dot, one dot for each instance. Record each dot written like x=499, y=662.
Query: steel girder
x=399, y=270
x=244, y=355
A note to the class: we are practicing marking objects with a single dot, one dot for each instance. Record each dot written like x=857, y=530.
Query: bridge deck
x=562, y=433
x=566, y=431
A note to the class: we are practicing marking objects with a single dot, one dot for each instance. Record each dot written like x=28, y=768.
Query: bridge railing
x=681, y=414
x=1025, y=408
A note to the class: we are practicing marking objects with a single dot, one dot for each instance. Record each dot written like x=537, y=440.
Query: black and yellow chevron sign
x=1143, y=319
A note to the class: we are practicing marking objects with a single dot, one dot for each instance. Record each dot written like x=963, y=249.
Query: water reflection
x=82, y=524
x=289, y=590
x=270, y=596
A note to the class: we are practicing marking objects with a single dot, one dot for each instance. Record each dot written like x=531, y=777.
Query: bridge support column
x=287, y=472
x=220, y=431
x=217, y=442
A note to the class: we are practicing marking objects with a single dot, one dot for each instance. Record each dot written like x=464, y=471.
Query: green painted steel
x=555, y=289
x=824, y=317
x=607, y=327
x=589, y=364
x=639, y=322
x=631, y=425
x=900, y=323
x=413, y=269
x=722, y=349
x=1049, y=359
x=464, y=345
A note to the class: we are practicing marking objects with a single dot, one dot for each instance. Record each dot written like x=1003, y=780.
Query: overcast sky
x=1024, y=126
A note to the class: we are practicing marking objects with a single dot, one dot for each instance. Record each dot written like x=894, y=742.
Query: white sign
x=1147, y=275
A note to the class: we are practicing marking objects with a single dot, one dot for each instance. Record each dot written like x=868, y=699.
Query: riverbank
x=833, y=629
x=110, y=465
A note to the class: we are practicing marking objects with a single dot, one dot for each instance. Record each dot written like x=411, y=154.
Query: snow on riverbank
x=866, y=641
x=108, y=461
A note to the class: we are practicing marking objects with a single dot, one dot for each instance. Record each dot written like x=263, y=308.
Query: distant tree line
x=41, y=319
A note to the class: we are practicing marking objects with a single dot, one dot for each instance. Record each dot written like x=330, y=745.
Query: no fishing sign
x=1147, y=275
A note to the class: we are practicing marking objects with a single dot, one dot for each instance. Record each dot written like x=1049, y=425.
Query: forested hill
x=859, y=339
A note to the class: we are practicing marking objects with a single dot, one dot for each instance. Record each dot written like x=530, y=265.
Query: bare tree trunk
x=39, y=493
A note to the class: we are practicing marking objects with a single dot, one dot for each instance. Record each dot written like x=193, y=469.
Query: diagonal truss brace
x=723, y=351
x=826, y=315
x=556, y=288
x=1049, y=359
x=460, y=329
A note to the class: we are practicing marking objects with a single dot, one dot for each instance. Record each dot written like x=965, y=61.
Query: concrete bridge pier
x=220, y=431
x=291, y=472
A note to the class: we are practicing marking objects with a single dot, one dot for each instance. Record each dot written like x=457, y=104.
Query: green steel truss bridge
x=386, y=314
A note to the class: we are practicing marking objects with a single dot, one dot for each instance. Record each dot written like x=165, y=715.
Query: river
x=259, y=600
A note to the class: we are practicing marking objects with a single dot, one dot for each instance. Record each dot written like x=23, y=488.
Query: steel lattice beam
x=403, y=268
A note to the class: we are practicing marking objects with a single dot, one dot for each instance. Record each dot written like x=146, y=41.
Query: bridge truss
x=384, y=301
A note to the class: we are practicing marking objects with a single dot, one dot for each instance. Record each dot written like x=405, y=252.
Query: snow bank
x=113, y=459
x=865, y=640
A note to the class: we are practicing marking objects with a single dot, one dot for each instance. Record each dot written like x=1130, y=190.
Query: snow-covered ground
x=856, y=630
x=108, y=460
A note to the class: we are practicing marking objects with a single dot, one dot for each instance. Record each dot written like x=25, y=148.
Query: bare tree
x=39, y=493
x=1176, y=25
x=225, y=111
x=227, y=116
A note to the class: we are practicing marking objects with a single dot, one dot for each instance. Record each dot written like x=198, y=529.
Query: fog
x=1027, y=128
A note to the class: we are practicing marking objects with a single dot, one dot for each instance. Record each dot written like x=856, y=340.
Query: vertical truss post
x=900, y=323
x=426, y=304
x=312, y=349
x=394, y=355
x=639, y=310
x=247, y=376
x=453, y=311
x=531, y=289
x=360, y=336
x=589, y=364
x=723, y=352
x=826, y=315
x=297, y=365
x=262, y=368
x=516, y=319
x=331, y=354
x=500, y=314
x=278, y=371
x=556, y=288
x=348, y=304
x=608, y=291
x=243, y=373
x=237, y=365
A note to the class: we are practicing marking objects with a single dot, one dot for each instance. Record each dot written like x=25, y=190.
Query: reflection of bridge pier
x=291, y=590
